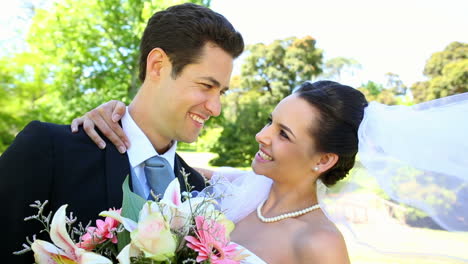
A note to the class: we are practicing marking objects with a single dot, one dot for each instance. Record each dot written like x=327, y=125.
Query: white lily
x=177, y=211
x=64, y=250
x=128, y=251
x=149, y=208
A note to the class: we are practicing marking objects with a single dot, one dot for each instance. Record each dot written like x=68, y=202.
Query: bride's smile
x=286, y=147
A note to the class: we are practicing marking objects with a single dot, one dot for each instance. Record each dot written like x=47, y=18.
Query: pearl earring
x=316, y=168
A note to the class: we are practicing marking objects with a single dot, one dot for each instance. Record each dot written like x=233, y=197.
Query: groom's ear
x=157, y=63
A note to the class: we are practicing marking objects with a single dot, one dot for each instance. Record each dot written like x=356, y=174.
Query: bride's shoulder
x=321, y=243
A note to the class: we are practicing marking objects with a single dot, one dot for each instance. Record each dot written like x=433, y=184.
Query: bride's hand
x=105, y=117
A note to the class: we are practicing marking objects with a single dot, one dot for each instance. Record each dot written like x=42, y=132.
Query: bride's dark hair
x=341, y=111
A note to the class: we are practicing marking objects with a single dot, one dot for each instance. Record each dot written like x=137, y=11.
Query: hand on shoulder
x=106, y=119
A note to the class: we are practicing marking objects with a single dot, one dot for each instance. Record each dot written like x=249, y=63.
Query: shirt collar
x=141, y=148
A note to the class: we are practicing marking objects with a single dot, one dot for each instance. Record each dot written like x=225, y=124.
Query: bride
x=311, y=136
x=310, y=140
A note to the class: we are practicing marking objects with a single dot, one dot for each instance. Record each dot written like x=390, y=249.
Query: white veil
x=418, y=156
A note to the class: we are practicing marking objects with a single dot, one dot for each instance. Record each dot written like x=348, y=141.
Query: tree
x=281, y=66
x=80, y=54
x=393, y=92
x=270, y=72
x=236, y=145
x=8, y=123
x=447, y=71
x=373, y=92
x=376, y=92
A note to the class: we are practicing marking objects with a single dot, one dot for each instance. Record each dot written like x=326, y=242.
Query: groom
x=187, y=53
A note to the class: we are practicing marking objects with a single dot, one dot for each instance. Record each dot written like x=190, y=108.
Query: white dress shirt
x=141, y=149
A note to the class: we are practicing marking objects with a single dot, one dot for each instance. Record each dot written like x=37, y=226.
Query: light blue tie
x=159, y=174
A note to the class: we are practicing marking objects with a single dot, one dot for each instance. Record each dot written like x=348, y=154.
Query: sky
x=395, y=36
x=383, y=36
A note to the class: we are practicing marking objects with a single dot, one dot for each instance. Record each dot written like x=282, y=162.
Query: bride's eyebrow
x=283, y=126
x=287, y=129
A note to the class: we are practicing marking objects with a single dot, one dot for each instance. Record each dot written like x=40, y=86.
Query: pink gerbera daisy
x=211, y=242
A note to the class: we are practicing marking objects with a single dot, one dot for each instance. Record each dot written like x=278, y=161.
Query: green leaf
x=132, y=203
x=131, y=207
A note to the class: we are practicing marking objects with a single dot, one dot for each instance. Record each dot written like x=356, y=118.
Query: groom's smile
x=198, y=119
x=193, y=96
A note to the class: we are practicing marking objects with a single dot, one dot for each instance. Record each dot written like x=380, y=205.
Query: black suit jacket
x=47, y=162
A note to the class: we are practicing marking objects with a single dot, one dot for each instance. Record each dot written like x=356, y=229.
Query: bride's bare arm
x=205, y=172
x=106, y=118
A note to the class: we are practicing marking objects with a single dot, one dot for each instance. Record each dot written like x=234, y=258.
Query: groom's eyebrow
x=215, y=82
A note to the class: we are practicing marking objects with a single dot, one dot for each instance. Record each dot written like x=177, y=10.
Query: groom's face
x=190, y=99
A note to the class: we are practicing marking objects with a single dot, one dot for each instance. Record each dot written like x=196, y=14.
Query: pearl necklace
x=283, y=216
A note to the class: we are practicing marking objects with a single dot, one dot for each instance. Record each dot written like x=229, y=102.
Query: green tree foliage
x=376, y=92
x=236, y=145
x=270, y=72
x=80, y=54
x=281, y=66
x=8, y=123
x=447, y=71
x=394, y=92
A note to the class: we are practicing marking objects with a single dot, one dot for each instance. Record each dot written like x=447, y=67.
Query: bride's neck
x=285, y=198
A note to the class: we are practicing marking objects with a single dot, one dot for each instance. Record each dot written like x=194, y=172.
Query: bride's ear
x=327, y=160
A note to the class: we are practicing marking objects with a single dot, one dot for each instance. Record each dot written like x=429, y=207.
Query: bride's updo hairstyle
x=341, y=111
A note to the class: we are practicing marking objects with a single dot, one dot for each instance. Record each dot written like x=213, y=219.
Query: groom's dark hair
x=182, y=31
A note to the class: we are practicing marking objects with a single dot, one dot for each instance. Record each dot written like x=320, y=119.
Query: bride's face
x=286, y=149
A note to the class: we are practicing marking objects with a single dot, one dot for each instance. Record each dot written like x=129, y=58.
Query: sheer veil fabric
x=417, y=154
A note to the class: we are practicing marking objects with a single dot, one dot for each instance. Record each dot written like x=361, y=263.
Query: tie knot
x=157, y=162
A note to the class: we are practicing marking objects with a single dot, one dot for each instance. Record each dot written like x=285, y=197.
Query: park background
x=59, y=59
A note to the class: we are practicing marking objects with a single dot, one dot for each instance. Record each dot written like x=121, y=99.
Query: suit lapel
x=194, y=178
x=117, y=168
x=178, y=174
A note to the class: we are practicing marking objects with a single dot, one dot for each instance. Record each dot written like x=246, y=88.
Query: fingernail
x=102, y=145
x=122, y=149
x=115, y=117
x=73, y=129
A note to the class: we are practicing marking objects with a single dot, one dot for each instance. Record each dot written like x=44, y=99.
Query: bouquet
x=176, y=229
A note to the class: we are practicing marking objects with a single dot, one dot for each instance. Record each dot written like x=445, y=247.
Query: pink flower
x=211, y=243
x=105, y=230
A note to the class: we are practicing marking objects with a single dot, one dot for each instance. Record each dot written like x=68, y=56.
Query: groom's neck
x=143, y=120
